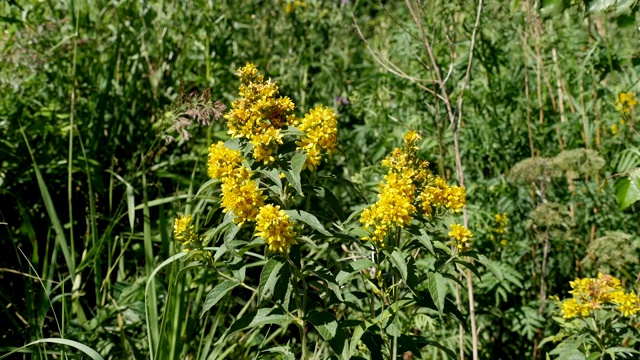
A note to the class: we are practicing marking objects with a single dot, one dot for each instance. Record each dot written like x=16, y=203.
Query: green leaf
x=437, y=289
x=257, y=318
x=627, y=190
x=620, y=350
x=352, y=268
x=297, y=162
x=84, y=348
x=399, y=262
x=216, y=294
x=274, y=279
x=495, y=269
x=333, y=203
x=330, y=280
x=309, y=219
x=330, y=330
x=274, y=175
x=425, y=239
x=206, y=185
x=131, y=205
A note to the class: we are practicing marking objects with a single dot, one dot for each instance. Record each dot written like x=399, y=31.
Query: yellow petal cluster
x=274, y=227
x=407, y=186
x=461, y=235
x=223, y=162
x=438, y=193
x=320, y=128
x=259, y=114
x=393, y=208
x=183, y=231
x=605, y=291
x=626, y=102
x=240, y=194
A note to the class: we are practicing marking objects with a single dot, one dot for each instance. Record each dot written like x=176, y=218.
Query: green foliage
x=107, y=109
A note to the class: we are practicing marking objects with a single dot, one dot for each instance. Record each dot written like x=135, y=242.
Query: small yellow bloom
x=183, y=231
x=462, y=235
x=626, y=102
x=223, y=162
x=320, y=128
x=242, y=197
x=259, y=114
x=274, y=227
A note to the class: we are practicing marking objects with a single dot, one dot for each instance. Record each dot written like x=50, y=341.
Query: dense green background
x=85, y=87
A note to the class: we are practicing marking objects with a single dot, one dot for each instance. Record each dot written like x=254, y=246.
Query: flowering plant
x=349, y=289
x=599, y=321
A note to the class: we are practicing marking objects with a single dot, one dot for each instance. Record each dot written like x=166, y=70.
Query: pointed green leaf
x=399, y=262
x=272, y=275
x=297, y=163
x=352, y=268
x=490, y=266
x=84, y=348
x=330, y=330
x=309, y=219
x=216, y=294
x=438, y=289
x=257, y=318
x=628, y=189
x=131, y=205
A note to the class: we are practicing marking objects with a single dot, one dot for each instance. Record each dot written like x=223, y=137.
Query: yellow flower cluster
x=626, y=102
x=408, y=184
x=240, y=194
x=294, y=4
x=461, y=235
x=438, y=193
x=223, y=162
x=500, y=227
x=394, y=207
x=274, y=227
x=590, y=294
x=320, y=128
x=184, y=232
x=259, y=114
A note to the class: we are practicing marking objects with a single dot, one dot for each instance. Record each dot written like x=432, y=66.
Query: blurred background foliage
x=90, y=90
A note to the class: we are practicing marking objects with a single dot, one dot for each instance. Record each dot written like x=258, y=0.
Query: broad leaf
x=274, y=278
x=309, y=219
x=297, y=163
x=330, y=330
x=353, y=268
x=216, y=294
x=437, y=289
x=399, y=262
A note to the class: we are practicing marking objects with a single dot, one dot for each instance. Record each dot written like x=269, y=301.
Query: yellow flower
x=274, y=227
x=320, y=128
x=259, y=114
x=183, y=230
x=626, y=102
x=412, y=136
x=462, y=235
x=242, y=197
x=627, y=303
x=455, y=198
x=393, y=208
x=571, y=308
x=223, y=162
x=436, y=194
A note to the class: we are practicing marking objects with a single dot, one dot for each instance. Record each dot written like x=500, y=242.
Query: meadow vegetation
x=307, y=179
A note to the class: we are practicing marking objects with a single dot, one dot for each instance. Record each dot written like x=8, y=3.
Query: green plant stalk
x=300, y=304
x=395, y=293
